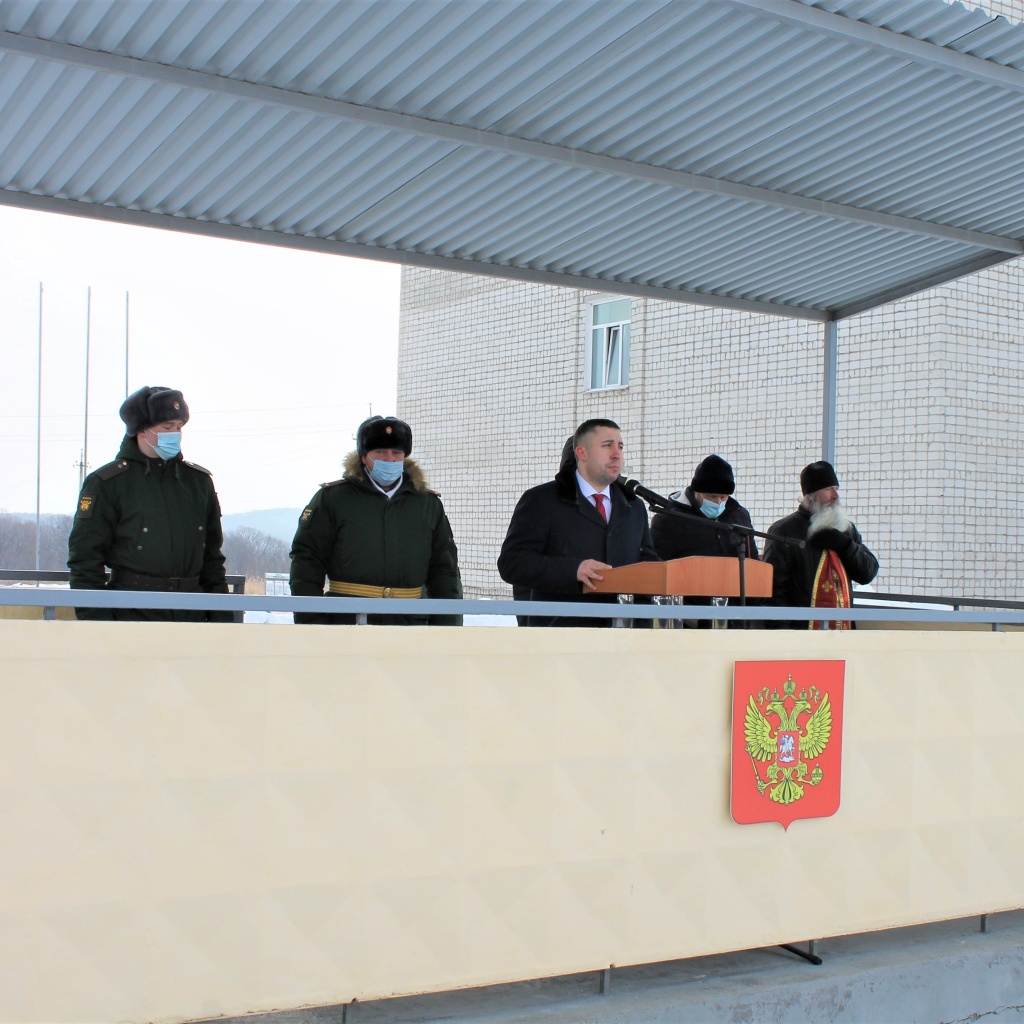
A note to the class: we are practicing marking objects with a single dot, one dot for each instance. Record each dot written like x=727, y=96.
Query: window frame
x=590, y=327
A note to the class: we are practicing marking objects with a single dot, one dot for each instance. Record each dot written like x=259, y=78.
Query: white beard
x=829, y=517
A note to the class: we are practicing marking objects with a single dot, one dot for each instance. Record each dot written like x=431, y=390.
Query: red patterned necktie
x=599, y=502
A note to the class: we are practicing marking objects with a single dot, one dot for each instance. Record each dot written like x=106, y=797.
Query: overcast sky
x=279, y=353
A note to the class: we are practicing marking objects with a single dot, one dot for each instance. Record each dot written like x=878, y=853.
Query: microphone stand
x=739, y=537
x=740, y=534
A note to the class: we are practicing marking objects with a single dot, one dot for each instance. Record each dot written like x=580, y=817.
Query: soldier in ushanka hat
x=379, y=531
x=150, y=517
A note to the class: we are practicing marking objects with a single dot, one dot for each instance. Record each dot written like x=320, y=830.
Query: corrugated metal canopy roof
x=810, y=158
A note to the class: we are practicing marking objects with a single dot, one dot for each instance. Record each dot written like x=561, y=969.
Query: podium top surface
x=696, y=576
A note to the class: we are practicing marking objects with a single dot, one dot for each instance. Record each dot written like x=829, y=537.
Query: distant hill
x=277, y=522
x=30, y=517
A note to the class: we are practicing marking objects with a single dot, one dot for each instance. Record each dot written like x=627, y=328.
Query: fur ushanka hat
x=149, y=406
x=383, y=432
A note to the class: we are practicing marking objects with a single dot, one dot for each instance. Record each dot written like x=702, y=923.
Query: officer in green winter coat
x=378, y=532
x=150, y=516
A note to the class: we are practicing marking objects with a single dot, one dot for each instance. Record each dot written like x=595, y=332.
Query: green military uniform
x=351, y=533
x=156, y=524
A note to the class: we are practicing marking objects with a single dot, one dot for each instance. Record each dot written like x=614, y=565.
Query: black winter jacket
x=677, y=537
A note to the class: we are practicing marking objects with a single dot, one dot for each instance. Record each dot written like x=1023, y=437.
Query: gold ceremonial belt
x=365, y=590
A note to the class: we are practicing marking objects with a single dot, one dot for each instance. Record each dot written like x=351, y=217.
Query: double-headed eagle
x=785, y=745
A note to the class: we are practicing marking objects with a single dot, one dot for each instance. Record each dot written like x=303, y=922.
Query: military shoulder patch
x=85, y=504
x=112, y=469
x=306, y=513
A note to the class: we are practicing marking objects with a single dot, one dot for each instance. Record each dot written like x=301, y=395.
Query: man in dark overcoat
x=564, y=533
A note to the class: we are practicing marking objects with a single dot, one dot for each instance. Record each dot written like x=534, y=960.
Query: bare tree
x=54, y=532
x=247, y=551
x=17, y=543
x=254, y=553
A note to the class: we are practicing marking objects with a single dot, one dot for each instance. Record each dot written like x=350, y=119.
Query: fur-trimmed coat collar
x=565, y=479
x=412, y=470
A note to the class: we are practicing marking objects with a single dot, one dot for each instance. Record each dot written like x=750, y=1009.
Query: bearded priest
x=820, y=574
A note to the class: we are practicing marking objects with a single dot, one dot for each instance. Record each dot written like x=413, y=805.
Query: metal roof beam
x=919, y=51
x=215, y=229
x=902, y=291
x=217, y=85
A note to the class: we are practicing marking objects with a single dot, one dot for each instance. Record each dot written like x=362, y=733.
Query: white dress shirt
x=588, y=492
x=394, y=487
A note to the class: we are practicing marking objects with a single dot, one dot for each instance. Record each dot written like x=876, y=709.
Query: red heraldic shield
x=787, y=740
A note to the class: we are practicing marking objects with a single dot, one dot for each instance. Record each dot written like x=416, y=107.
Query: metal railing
x=235, y=582
x=956, y=603
x=1004, y=612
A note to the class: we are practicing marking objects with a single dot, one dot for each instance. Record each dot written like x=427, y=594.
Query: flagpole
x=39, y=424
x=126, y=297
x=85, y=438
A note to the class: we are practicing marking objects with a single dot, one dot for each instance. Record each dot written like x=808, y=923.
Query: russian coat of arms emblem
x=787, y=740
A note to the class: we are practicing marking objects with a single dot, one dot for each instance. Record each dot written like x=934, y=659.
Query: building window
x=608, y=345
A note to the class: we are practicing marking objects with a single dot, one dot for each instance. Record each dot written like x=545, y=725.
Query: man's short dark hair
x=588, y=427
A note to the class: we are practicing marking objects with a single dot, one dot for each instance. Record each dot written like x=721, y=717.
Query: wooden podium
x=697, y=576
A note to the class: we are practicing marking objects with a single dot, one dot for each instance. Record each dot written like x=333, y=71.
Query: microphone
x=636, y=489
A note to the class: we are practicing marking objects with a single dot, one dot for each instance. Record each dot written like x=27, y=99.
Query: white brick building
x=930, y=433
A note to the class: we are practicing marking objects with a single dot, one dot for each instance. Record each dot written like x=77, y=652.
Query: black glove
x=835, y=540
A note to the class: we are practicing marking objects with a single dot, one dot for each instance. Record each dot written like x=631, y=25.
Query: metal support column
x=828, y=397
x=809, y=955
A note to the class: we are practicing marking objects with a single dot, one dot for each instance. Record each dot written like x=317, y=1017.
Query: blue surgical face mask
x=710, y=509
x=168, y=444
x=386, y=474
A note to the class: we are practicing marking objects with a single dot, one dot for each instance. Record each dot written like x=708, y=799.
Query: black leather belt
x=121, y=579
